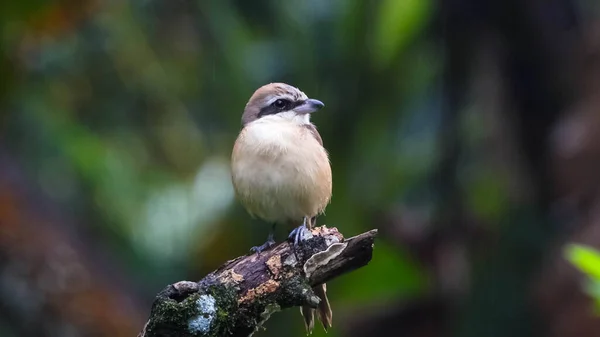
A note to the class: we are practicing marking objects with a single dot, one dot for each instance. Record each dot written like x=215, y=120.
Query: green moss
x=295, y=292
x=227, y=306
x=248, y=316
x=208, y=316
x=168, y=314
x=214, y=311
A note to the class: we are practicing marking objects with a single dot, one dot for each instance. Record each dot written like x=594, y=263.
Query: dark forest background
x=467, y=131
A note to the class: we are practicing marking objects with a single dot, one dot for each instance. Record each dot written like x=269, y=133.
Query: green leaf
x=585, y=258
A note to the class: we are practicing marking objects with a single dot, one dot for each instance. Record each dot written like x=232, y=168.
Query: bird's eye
x=280, y=103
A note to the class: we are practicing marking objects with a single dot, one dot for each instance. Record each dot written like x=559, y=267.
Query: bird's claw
x=298, y=234
x=265, y=246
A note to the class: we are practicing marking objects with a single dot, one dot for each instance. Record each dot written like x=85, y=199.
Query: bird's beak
x=309, y=106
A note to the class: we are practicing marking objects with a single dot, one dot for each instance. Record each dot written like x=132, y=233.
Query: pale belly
x=281, y=176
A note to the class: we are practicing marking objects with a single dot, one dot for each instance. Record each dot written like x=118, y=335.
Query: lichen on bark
x=209, y=312
x=237, y=298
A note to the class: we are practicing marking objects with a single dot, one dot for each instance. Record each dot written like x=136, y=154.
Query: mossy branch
x=237, y=298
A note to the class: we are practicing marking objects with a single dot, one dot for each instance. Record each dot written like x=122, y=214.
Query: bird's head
x=280, y=100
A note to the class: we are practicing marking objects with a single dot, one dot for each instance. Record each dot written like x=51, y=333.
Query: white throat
x=287, y=116
x=292, y=116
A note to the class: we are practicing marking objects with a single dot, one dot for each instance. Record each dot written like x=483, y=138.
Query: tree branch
x=237, y=298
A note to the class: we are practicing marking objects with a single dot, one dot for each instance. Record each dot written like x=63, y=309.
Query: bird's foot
x=265, y=246
x=298, y=234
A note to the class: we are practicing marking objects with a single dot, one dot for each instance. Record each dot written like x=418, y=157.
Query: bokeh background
x=466, y=131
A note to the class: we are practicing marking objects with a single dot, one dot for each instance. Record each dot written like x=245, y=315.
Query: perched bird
x=281, y=171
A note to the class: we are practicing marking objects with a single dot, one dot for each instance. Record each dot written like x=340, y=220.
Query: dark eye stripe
x=281, y=104
x=272, y=109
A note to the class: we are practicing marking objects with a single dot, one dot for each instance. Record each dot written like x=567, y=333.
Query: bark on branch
x=237, y=298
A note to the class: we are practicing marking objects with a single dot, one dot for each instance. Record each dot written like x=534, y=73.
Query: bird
x=281, y=172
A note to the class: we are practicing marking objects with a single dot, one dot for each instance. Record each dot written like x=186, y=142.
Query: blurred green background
x=463, y=131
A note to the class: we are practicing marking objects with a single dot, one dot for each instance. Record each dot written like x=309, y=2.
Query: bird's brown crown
x=272, y=98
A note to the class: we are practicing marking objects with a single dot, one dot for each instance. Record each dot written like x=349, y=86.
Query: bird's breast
x=280, y=171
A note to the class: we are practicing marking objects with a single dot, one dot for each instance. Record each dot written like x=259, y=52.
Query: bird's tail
x=323, y=310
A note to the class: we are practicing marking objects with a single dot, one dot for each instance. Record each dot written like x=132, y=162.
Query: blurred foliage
x=587, y=259
x=124, y=113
